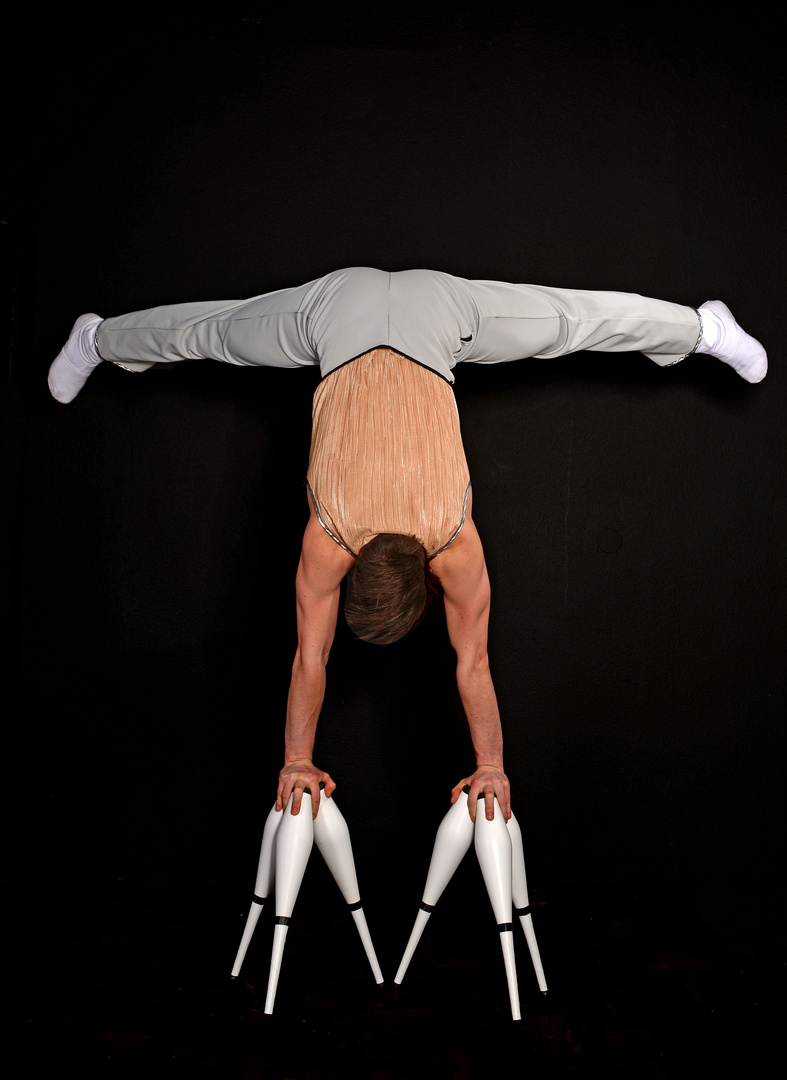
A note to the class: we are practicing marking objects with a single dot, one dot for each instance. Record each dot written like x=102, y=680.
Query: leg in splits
x=432, y=318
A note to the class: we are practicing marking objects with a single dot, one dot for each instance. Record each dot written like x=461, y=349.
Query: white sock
x=723, y=338
x=76, y=360
x=712, y=332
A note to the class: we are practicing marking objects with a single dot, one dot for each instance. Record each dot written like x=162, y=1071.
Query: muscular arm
x=322, y=566
x=463, y=575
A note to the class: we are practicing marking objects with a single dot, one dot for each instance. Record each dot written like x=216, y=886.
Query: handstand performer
x=388, y=484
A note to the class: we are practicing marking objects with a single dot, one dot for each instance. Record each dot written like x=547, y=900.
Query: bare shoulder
x=323, y=562
x=462, y=572
x=461, y=568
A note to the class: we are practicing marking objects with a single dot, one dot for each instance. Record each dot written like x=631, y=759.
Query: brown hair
x=390, y=588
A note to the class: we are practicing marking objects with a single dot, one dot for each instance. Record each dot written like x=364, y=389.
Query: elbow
x=473, y=667
x=310, y=662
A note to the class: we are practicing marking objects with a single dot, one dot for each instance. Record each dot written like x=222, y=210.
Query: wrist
x=293, y=757
x=489, y=761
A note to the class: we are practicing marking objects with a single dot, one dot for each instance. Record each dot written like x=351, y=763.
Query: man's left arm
x=467, y=595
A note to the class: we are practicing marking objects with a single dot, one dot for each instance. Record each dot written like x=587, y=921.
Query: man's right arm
x=322, y=566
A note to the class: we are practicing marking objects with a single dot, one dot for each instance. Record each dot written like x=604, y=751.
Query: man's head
x=390, y=588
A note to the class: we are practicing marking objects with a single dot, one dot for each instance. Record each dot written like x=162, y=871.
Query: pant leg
x=435, y=318
x=517, y=321
x=270, y=330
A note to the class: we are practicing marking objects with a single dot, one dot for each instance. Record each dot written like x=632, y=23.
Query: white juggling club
x=262, y=887
x=332, y=838
x=521, y=900
x=453, y=839
x=294, y=841
x=493, y=848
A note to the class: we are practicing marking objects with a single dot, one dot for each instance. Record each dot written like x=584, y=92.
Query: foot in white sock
x=76, y=360
x=724, y=339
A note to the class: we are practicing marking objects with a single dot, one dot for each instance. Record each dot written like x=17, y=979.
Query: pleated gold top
x=387, y=454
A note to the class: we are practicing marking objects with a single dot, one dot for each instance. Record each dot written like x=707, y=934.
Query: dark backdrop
x=633, y=517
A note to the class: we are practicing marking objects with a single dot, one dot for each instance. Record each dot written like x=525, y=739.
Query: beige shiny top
x=387, y=454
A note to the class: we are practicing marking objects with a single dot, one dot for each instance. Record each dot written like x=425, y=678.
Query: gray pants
x=433, y=318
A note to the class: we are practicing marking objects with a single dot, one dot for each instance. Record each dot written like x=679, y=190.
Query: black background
x=632, y=517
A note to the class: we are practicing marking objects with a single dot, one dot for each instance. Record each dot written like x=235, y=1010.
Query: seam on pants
x=262, y=315
x=196, y=322
x=307, y=329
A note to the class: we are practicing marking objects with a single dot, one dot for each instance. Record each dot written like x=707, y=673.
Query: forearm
x=307, y=690
x=304, y=702
x=477, y=692
x=489, y=781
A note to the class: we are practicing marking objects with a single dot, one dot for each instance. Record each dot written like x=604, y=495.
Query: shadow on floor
x=132, y=981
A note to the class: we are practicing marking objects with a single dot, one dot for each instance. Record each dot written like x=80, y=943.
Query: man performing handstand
x=388, y=483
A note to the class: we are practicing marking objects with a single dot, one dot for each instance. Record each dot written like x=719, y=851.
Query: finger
x=297, y=795
x=315, y=800
x=489, y=799
x=502, y=792
x=330, y=786
x=472, y=803
x=456, y=791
